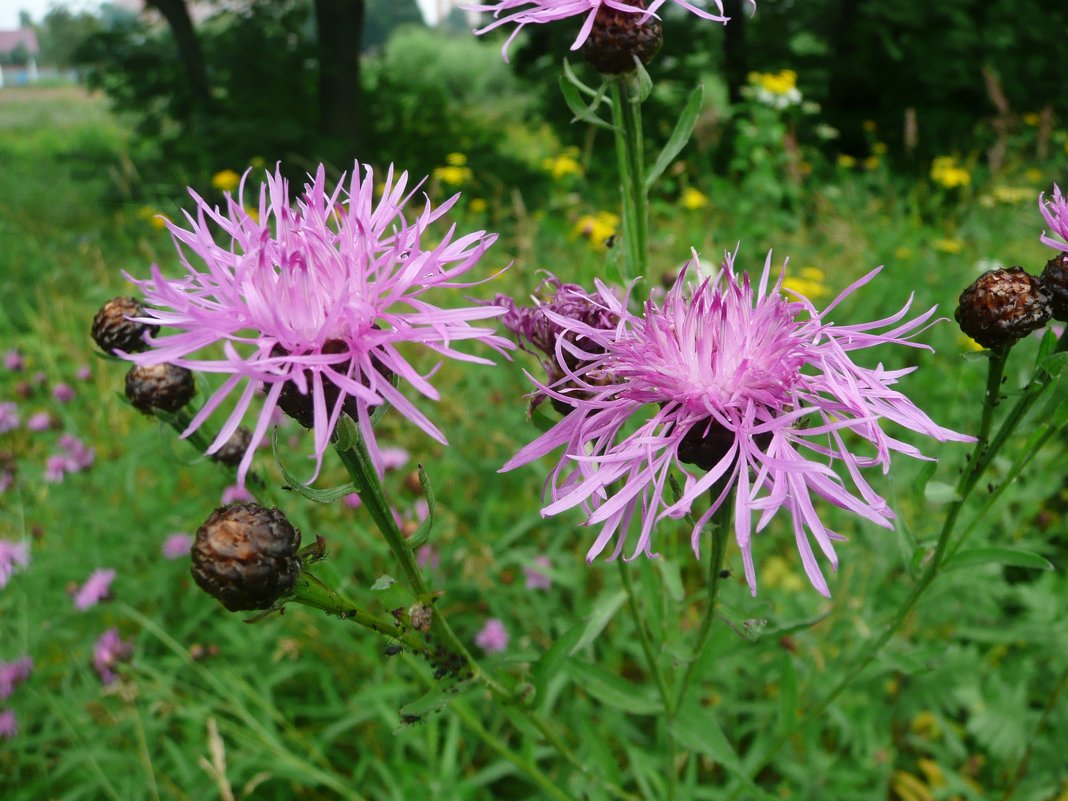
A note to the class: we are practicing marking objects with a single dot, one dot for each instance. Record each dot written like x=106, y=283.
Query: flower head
x=311, y=301
x=754, y=389
x=537, y=12
x=13, y=674
x=63, y=393
x=9, y=726
x=9, y=417
x=12, y=555
x=13, y=360
x=177, y=546
x=493, y=637
x=39, y=421
x=96, y=588
x=535, y=579
x=1055, y=212
x=108, y=651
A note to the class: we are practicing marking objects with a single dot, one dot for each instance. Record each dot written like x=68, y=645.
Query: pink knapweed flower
x=428, y=557
x=56, y=469
x=39, y=421
x=7, y=478
x=352, y=500
x=1055, y=212
x=79, y=455
x=535, y=579
x=95, y=589
x=108, y=651
x=754, y=389
x=84, y=373
x=177, y=546
x=493, y=638
x=311, y=300
x=537, y=12
x=13, y=555
x=63, y=393
x=9, y=726
x=9, y=417
x=394, y=458
x=12, y=674
x=13, y=360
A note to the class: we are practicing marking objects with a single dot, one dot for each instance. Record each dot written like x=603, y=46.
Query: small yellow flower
x=906, y=787
x=258, y=162
x=926, y=725
x=1012, y=195
x=847, y=161
x=1032, y=119
x=564, y=164
x=477, y=205
x=902, y=252
x=869, y=126
x=252, y=212
x=946, y=171
x=872, y=163
x=151, y=215
x=453, y=175
x=952, y=246
x=693, y=199
x=225, y=180
x=1035, y=175
x=932, y=771
x=456, y=160
x=778, y=83
x=597, y=228
x=807, y=282
x=879, y=148
x=967, y=343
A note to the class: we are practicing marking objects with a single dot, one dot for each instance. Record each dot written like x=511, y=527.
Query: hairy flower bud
x=166, y=387
x=246, y=556
x=618, y=36
x=113, y=330
x=233, y=451
x=1002, y=306
x=1054, y=280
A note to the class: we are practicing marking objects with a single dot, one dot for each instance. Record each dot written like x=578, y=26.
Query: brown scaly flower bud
x=112, y=330
x=617, y=37
x=166, y=387
x=233, y=451
x=246, y=556
x=1055, y=281
x=1001, y=307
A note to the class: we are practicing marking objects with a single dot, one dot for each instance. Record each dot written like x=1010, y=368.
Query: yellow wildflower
x=951, y=246
x=1032, y=119
x=906, y=787
x=1035, y=175
x=777, y=83
x=252, y=212
x=693, y=199
x=597, y=228
x=456, y=160
x=946, y=171
x=869, y=126
x=225, y=180
x=151, y=215
x=880, y=148
x=563, y=164
x=872, y=163
x=807, y=282
x=932, y=771
x=967, y=343
x=259, y=162
x=477, y=205
x=453, y=175
x=847, y=161
x=926, y=725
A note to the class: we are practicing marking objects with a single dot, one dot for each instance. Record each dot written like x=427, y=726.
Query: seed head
x=246, y=556
x=1002, y=306
x=113, y=330
x=166, y=387
x=1055, y=281
x=232, y=452
x=618, y=36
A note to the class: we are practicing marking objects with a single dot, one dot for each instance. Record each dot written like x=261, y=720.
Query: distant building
x=436, y=11
x=18, y=56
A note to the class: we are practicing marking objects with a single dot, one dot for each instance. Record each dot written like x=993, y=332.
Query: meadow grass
x=305, y=706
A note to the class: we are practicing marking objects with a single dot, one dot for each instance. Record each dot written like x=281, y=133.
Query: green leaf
x=602, y=613
x=617, y=693
x=434, y=700
x=672, y=578
x=679, y=137
x=579, y=108
x=422, y=534
x=639, y=90
x=1054, y=364
x=554, y=659
x=346, y=433
x=938, y=492
x=293, y=484
x=1015, y=557
x=788, y=694
x=695, y=728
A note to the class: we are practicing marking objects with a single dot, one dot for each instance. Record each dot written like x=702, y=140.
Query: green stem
x=630, y=160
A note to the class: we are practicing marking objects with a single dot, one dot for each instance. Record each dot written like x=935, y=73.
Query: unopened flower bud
x=1002, y=306
x=233, y=451
x=246, y=556
x=618, y=36
x=113, y=330
x=166, y=387
x=1055, y=281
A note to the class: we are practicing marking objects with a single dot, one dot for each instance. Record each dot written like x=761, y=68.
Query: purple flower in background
x=428, y=557
x=755, y=390
x=177, y=546
x=9, y=727
x=79, y=455
x=1055, y=212
x=84, y=373
x=12, y=674
x=236, y=493
x=9, y=417
x=63, y=393
x=13, y=360
x=7, y=478
x=39, y=421
x=537, y=12
x=352, y=500
x=535, y=579
x=12, y=555
x=95, y=589
x=56, y=468
x=493, y=638
x=108, y=652
x=311, y=301
x=39, y=378
x=394, y=458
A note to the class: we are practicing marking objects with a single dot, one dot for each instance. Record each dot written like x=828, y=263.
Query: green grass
x=305, y=706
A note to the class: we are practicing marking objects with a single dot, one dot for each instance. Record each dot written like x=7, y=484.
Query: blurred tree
x=190, y=52
x=385, y=16
x=340, y=26
x=62, y=33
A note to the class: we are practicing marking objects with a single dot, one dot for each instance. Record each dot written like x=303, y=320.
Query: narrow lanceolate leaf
x=1015, y=557
x=422, y=534
x=602, y=613
x=579, y=108
x=617, y=693
x=679, y=137
x=553, y=661
x=434, y=700
x=293, y=484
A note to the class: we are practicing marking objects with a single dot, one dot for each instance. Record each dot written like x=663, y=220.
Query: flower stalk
x=630, y=158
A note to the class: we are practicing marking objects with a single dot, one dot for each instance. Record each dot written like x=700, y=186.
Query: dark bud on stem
x=246, y=556
x=617, y=37
x=113, y=331
x=166, y=387
x=1055, y=281
x=1001, y=307
x=233, y=451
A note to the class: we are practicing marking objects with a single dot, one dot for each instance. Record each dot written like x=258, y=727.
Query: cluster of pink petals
x=110, y=649
x=1055, y=212
x=536, y=12
x=75, y=457
x=13, y=360
x=317, y=292
x=493, y=637
x=12, y=674
x=534, y=578
x=96, y=588
x=39, y=421
x=767, y=377
x=177, y=546
x=13, y=555
x=9, y=417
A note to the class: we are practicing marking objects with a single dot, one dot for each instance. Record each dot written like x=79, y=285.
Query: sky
x=9, y=9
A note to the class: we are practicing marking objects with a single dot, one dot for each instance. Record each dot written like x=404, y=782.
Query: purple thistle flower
x=79, y=455
x=56, y=469
x=12, y=674
x=13, y=360
x=12, y=555
x=428, y=557
x=394, y=458
x=9, y=417
x=39, y=421
x=1055, y=212
x=313, y=299
x=537, y=12
x=108, y=652
x=63, y=393
x=177, y=546
x=7, y=478
x=493, y=638
x=535, y=579
x=95, y=589
x=9, y=727
x=84, y=373
x=352, y=500
x=755, y=389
